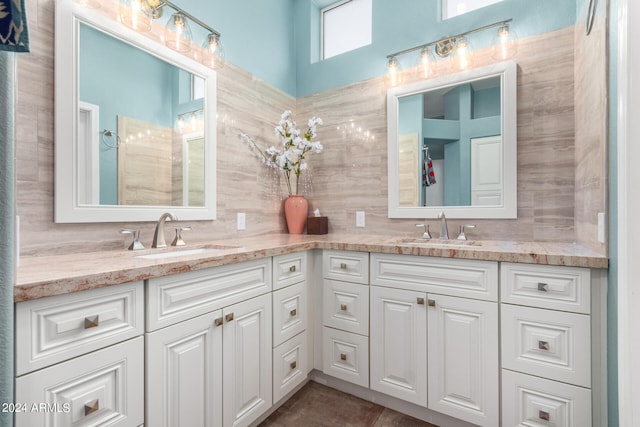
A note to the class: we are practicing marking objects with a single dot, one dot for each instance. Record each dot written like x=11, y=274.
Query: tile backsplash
x=350, y=175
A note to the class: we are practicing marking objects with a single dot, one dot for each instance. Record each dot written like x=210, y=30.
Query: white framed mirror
x=452, y=145
x=125, y=105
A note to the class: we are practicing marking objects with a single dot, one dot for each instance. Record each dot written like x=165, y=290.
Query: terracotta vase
x=296, y=209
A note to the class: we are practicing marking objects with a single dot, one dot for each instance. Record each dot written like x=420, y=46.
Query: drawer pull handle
x=343, y=266
x=293, y=312
x=343, y=307
x=91, y=322
x=292, y=269
x=431, y=303
x=543, y=345
x=218, y=321
x=543, y=415
x=343, y=356
x=229, y=317
x=293, y=365
x=91, y=407
x=543, y=287
x=420, y=301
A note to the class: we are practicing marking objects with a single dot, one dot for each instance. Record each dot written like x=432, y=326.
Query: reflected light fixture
x=213, y=56
x=177, y=34
x=135, y=14
x=505, y=43
x=394, y=72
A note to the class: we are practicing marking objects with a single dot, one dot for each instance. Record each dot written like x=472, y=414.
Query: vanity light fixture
x=91, y=4
x=457, y=47
x=138, y=14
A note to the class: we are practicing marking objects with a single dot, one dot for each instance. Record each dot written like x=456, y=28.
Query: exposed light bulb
x=213, y=56
x=505, y=44
x=425, y=63
x=135, y=14
x=394, y=72
x=462, y=54
x=177, y=34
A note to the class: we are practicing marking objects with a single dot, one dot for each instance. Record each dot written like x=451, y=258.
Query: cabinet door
x=184, y=373
x=398, y=338
x=247, y=361
x=463, y=359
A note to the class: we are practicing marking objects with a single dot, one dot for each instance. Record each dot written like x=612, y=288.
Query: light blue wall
x=258, y=36
x=402, y=24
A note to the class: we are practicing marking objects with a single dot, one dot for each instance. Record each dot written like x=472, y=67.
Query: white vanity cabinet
x=434, y=334
x=345, y=315
x=80, y=358
x=290, y=323
x=211, y=369
x=547, y=340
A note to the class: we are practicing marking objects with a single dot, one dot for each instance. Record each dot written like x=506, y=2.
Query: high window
x=451, y=8
x=346, y=26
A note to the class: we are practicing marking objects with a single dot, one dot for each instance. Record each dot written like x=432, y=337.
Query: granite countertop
x=43, y=276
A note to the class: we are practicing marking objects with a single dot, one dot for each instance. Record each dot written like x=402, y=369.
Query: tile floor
x=316, y=405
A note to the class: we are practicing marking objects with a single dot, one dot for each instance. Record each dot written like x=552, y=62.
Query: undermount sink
x=437, y=242
x=185, y=252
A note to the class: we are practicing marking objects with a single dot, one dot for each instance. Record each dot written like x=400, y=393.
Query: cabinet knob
x=293, y=365
x=293, y=312
x=343, y=307
x=218, y=321
x=343, y=356
x=543, y=287
x=543, y=345
x=343, y=266
x=431, y=303
x=91, y=322
x=543, y=415
x=420, y=301
x=229, y=317
x=91, y=407
x=292, y=269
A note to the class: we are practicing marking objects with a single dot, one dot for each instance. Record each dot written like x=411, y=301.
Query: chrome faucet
x=444, y=232
x=158, y=236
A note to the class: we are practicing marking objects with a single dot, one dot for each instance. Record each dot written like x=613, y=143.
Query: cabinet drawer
x=53, y=329
x=346, y=356
x=533, y=401
x=547, y=343
x=346, y=266
x=172, y=299
x=546, y=286
x=289, y=312
x=289, y=365
x=289, y=269
x=346, y=306
x=455, y=277
x=102, y=388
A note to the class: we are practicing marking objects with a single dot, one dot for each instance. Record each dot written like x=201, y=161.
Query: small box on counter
x=317, y=225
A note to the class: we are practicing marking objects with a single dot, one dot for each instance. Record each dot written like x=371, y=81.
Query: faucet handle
x=462, y=236
x=135, y=244
x=426, y=234
x=178, y=239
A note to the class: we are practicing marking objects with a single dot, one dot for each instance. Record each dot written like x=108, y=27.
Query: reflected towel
x=428, y=175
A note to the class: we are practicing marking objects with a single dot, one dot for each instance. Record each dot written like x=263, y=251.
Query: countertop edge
x=102, y=269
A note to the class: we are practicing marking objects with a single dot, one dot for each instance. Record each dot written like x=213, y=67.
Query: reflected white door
x=486, y=171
